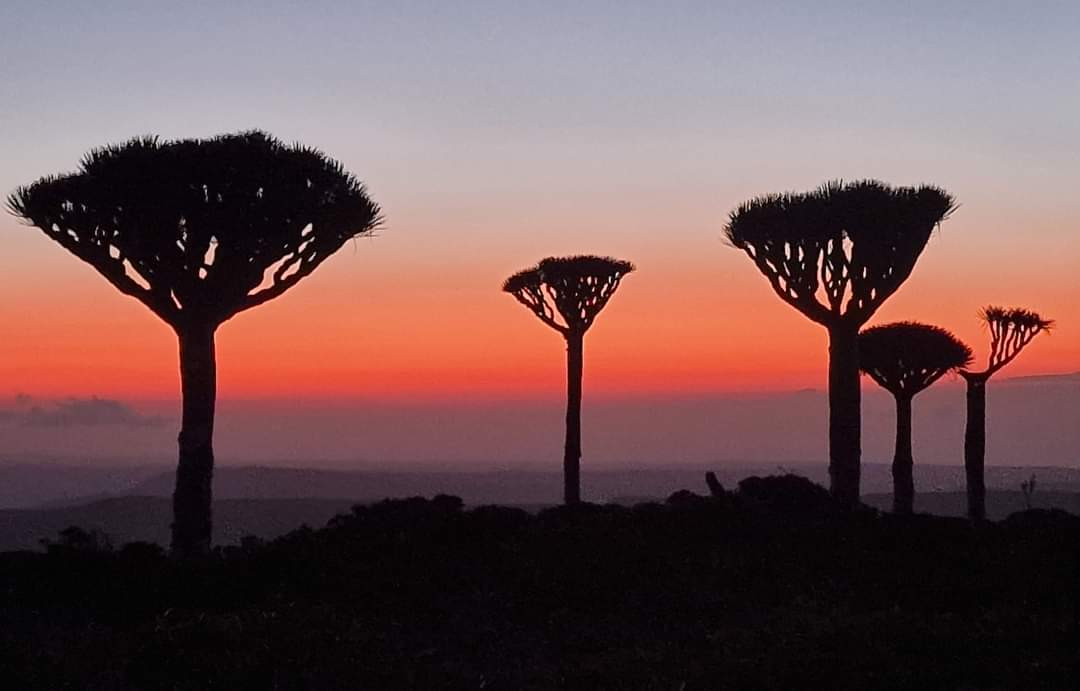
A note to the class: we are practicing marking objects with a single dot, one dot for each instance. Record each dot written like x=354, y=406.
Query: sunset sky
x=496, y=134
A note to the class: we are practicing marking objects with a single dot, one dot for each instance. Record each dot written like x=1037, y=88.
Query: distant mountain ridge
x=474, y=487
x=147, y=519
x=1063, y=378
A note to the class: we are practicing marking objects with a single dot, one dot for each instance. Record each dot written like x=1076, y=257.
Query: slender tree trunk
x=572, y=455
x=903, y=463
x=975, y=447
x=844, y=414
x=194, y=472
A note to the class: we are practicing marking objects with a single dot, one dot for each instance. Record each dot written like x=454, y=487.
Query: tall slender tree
x=1011, y=330
x=199, y=230
x=836, y=254
x=567, y=293
x=904, y=358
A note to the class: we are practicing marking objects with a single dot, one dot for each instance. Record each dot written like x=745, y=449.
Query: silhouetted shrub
x=142, y=551
x=75, y=539
x=400, y=512
x=1035, y=519
x=787, y=493
x=494, y=519
x=685, y=498
x=447, y=503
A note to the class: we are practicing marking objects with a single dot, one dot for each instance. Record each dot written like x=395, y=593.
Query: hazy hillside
x=46, y=485
x=34, y=483
x=147, y=519
x=999, y=504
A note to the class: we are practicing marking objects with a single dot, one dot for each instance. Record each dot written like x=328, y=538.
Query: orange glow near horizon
x=495, y=136
x=393, y=321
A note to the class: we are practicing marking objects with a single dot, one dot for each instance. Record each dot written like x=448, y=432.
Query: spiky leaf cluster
x=199, y=230
x=1011, y=329
x=841, y=250
x=574, y=289
x=906, y=357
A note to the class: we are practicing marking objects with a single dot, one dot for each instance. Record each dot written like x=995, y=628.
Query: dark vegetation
x=750, y=589
x=146, y=519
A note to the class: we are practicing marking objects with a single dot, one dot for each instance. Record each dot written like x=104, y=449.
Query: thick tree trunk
x=194, y=472
x=903, y=463
x=975, y=447
x=844, y=414
x=572, y=455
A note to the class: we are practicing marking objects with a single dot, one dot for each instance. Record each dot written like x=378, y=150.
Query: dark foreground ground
x=766, y=588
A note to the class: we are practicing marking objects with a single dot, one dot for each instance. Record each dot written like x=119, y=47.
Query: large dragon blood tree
x=1011, y=330
x=836, y=254
x=567, y=293
x=199, y=230
x=905, y=358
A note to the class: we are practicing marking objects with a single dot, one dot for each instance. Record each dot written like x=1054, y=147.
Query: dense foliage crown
x=839, y=251
x=200, y=229
x=574, y=288
x=906, y=357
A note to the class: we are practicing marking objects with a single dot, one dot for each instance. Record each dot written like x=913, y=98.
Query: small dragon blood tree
x=567, y=293
x=904, y=358
x=1011, y=330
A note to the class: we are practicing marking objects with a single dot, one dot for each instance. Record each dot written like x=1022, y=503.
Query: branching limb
x=787, y=287
x=532, y=296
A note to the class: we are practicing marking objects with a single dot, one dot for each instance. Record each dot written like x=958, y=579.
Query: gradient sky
x=494, y=134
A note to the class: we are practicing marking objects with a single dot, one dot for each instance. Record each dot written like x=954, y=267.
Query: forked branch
x=1011, y=330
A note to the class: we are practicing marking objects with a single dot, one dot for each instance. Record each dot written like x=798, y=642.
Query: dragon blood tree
x=567, y=293
x=199, y=230
x=1010, y=332
x=904, y=358
x=836, y=254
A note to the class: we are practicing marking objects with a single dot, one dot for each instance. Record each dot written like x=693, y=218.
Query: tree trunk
x=844, y=414
x=903, y=463
x=975, y=447
x=194, y=472
x=572, y=455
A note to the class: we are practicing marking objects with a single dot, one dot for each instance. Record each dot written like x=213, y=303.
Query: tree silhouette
x=198, y=231
x=1010, y=332
x=904, y=358
x=836, y=254
x=567, y=293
